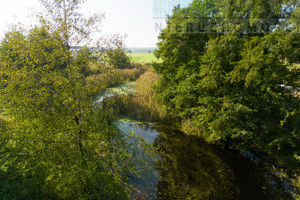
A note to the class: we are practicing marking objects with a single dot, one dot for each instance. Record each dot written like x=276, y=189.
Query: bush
x=118, y=58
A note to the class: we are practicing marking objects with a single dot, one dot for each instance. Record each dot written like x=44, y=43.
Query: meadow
x=142, y=57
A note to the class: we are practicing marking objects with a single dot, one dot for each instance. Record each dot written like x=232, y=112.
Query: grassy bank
x=113, y=77
x=143, y=106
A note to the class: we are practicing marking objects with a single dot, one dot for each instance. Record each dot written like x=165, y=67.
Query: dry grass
x=113, y=77
x=143, y=106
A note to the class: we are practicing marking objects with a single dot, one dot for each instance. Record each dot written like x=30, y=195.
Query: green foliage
x=118, y=58
x=55, y=143
x=83, y=60
x=228, y=84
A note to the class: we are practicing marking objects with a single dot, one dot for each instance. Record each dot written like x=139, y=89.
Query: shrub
x=118, y=58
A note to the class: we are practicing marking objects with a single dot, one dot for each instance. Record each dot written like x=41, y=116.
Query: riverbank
x=112, y=77
x=143, y=106
x=186, y=167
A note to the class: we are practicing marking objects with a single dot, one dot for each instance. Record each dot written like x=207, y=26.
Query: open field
x=142, y=57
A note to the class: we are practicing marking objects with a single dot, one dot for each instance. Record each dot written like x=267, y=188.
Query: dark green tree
x=225, y=76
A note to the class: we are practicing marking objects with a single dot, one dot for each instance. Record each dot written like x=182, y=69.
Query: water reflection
x=187, y=168
x=124, y=89
x=144, y=186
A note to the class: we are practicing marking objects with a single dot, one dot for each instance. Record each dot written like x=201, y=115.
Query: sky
x=131, y=17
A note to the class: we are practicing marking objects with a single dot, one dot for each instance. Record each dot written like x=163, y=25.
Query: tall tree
x=64, y=16
x=118, y=58
x=55, y=142
x=226, y=77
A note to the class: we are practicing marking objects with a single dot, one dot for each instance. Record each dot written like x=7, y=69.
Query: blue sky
x=131, y=17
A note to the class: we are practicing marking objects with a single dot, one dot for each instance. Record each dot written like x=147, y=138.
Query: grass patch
x=143, y=106
x=113, y=77
x=142, y=57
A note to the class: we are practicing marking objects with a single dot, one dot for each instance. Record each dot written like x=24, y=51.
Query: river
x=187, y=168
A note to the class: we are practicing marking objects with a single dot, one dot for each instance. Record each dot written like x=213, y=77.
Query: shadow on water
x=189, y=168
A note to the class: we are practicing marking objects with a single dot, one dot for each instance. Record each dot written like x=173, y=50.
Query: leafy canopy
x=55, y=143
x=223, y=71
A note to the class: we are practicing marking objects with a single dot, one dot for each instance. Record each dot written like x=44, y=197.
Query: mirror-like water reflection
x=189, y=168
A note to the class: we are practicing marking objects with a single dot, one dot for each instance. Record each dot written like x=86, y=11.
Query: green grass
x=142, y=57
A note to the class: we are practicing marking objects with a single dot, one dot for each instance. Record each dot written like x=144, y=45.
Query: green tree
x=55, y=142
x=55, y=138
x=83, y=60
x=74, y=27
x=118, y=58
x=227, y=79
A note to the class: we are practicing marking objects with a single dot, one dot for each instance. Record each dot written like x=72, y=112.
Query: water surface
x=189, y=168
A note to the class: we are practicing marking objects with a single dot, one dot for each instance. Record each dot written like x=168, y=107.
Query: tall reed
x=113, y=77
x=143, y=106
